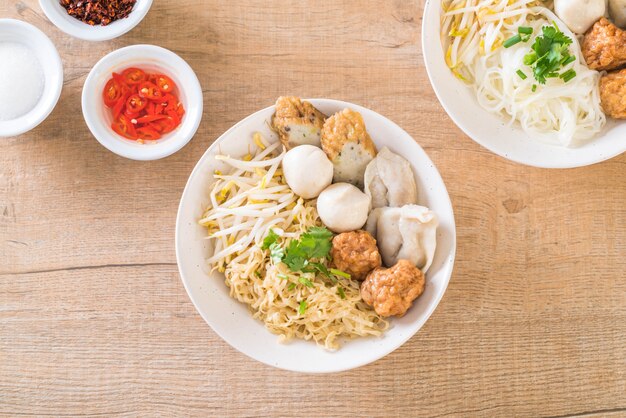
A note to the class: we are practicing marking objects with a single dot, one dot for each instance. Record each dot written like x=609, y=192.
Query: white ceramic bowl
x=232, y=320
x=150, y=58
x=17, y=31
x=492, y=131
x=78, y=29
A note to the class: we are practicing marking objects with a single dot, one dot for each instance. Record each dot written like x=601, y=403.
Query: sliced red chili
x=165, y=125
x=148, y=133
x=172, y=114
x=112, y=92
x=150, y=91
x=134, y=76
x=136, y=103
x=119, y=107
x=150, y=118
x=124, y=127
x=165, y=84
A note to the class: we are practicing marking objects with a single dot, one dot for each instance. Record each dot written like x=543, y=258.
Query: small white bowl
x=150, y=58
x=234, y=322
x=493, y=131
x=12, y=30
x=78, y=29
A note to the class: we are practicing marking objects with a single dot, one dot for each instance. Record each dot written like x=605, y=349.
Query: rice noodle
x=472, y=33
x=245, y=204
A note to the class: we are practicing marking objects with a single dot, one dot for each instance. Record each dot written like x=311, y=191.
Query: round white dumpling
x=579, y=15
x=343, y=207
x=307, y=170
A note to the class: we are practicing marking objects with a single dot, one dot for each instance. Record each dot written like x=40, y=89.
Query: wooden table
x=94, y=319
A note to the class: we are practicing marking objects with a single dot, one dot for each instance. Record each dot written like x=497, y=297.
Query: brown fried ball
x=355, y=253
x=613, y=94
x=392, y=291
x=604, y=46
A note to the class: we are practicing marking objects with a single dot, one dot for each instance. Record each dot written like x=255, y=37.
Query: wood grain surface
x=94, y=319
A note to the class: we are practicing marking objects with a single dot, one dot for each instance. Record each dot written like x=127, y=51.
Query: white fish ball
x=579, y=15
x=343, y=207
x=307, y=170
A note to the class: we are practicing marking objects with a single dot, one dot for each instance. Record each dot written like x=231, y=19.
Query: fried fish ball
x=355, y=253
x=392, y=291
x=297, y=122
x=604, y=46
x=348, y=145
x=613, y=94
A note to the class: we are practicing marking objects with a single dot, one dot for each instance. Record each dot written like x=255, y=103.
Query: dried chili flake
x=98, y=12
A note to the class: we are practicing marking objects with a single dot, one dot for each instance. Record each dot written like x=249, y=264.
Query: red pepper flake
x=98, y=12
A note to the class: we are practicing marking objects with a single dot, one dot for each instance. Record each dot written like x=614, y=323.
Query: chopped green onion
x=282, y=276
x=525, y=30
x=291, y=286
x=521, y=74
x=569, y=59
x=305, y=281
x=512, y=41
x=340, y=273
x=302, y=308
x=530, y=58
x=534, y=88
x=568, y=75
x=341, y=293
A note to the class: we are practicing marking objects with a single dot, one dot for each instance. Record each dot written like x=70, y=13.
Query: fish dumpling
x=389, y=180
x=405, y=233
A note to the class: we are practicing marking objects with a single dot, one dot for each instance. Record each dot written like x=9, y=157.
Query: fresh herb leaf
x=315, y=243
x=341, y=293
x=305, y=281
x=270, y=239
x=340, y=273
x=257, y=274
x=317, y=267
x=302, y=308
x=291, y=286
x=549, y=52
x=277, y=253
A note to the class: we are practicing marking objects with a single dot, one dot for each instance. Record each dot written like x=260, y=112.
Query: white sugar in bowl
x=31, y=77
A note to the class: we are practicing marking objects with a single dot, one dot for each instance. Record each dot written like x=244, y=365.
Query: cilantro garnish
x=270, y=239
x=549, y=53
x=313, y=244
x=303, y=254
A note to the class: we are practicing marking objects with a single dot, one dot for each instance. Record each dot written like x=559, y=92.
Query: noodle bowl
x=473, y=32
